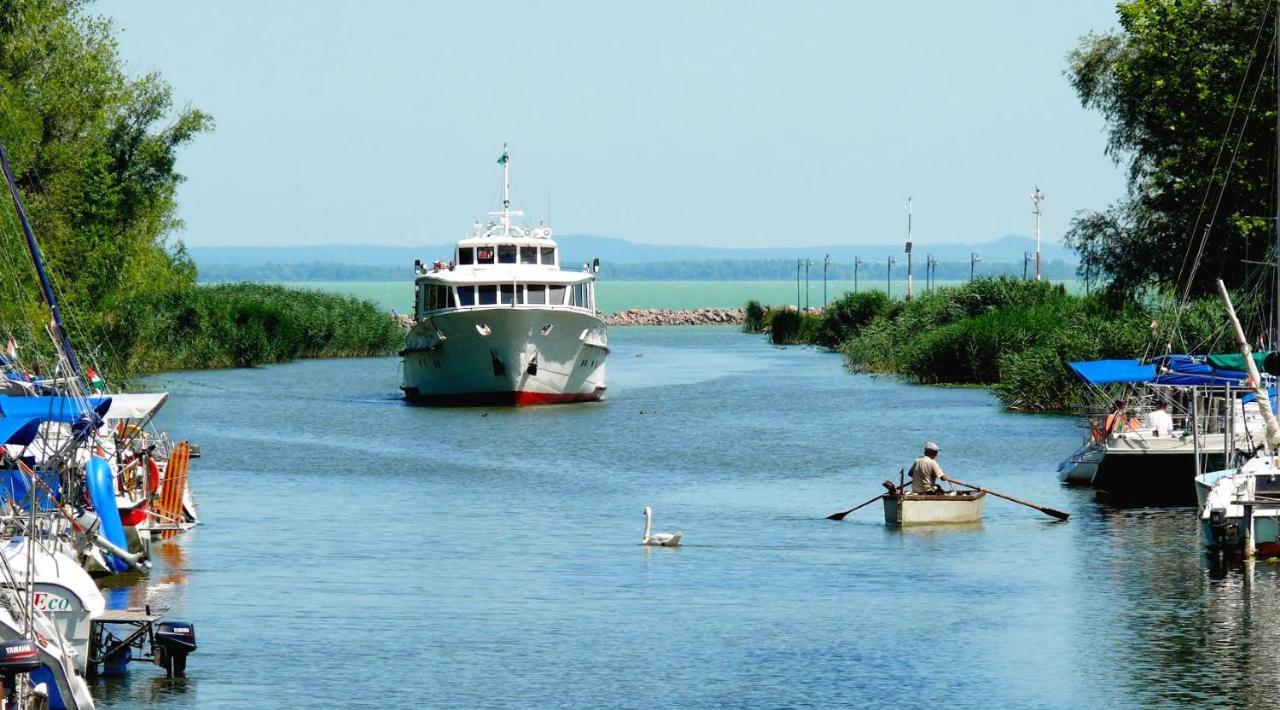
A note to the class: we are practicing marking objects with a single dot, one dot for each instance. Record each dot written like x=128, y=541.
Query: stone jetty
x=689, y=316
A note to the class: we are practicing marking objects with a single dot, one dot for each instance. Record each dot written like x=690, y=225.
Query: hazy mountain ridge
x=583, y=247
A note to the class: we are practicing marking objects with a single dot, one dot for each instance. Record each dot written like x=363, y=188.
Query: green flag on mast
x=503, y=159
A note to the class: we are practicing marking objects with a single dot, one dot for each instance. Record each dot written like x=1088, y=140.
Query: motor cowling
x=174, y=640
x=18, y=656
x=1222, y=530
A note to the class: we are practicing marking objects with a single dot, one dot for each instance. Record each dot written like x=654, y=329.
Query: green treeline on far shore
x=687, y=270
x=1014, y=335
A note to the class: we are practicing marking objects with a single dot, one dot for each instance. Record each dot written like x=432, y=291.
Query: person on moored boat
x=925, y=472
x=1159, y=420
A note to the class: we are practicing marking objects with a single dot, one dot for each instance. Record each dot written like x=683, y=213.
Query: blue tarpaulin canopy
x=1164, y=370
x=1108, y=372
x=53, y=409
x=18, y=430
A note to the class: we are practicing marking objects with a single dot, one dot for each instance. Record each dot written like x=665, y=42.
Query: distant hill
x=584, y=247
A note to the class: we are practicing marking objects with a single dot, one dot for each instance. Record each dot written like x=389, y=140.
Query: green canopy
x=1235, y=361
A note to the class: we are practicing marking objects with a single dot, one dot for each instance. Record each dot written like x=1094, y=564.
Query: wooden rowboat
x=911, y=509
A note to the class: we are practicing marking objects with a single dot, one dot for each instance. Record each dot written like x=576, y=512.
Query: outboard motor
x=173, y=641
x=16, y=658
x=1222, y=531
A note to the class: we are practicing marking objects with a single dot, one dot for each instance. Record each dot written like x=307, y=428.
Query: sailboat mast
x=1275, y=345
x=45, y=287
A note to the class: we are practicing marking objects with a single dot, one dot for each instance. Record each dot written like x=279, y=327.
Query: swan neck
x=646, y=525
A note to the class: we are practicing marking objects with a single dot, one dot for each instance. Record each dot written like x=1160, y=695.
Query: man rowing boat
x=926, y=472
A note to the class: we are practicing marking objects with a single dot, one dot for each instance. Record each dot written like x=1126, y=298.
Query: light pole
x=798, y=263
x=908, y=248
x=857, y=261
x=826, y=264
x=973, y=259
x=807, y=264
x=888, y=273
x=1037, y=198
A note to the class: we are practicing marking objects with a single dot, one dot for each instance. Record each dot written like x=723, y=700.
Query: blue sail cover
x=1109, y=372
x=53, y=409
x=1164, y=370
x=18, y=430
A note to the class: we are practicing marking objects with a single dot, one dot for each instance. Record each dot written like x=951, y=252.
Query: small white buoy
x=659, y=539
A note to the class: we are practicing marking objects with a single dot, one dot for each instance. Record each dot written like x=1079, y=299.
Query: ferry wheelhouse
x=502, y=323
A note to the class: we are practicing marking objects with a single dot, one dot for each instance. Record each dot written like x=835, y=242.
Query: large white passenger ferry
x=502, y=324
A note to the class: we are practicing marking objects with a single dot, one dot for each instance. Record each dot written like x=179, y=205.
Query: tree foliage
x=1187, y=89
x=94, y=154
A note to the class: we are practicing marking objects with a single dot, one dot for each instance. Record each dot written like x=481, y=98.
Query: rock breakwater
x=688, y=316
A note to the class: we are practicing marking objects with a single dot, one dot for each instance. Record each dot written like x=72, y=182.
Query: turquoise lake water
x=358, y=552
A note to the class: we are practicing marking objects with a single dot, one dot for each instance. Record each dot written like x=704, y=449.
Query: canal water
x=358, y=552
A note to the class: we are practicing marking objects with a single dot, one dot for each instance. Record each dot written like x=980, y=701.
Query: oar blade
x=1055, y=513
x=840, y=515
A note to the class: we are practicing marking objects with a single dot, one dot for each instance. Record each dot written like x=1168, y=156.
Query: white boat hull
x=505, y=355
x=903, y=510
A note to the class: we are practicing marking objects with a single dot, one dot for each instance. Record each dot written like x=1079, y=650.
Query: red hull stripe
x=503, y=399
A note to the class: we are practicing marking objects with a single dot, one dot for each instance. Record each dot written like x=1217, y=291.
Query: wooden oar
x=1043, y=509
x=840, y=516
x=892, y=489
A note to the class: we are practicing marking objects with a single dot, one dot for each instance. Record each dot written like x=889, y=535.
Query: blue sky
x=718, y=123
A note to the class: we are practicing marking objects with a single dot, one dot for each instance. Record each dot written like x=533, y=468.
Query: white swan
x=659, y=539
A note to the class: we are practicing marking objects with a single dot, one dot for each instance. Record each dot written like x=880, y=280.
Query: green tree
x=1187, y=88
x=94, y=154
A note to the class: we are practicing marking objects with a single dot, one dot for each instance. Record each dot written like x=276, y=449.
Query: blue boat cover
x=52, y=409
x=18, y=430
x=1107, y=372
x=1164, y=370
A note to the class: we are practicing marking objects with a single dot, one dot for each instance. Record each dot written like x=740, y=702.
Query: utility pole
x=1037, y=198
x=888, y=274
x=973, y=259
x=826, y=264
x=908, y=248
x=931, y=270
x=1026, y=259
x=857, y=261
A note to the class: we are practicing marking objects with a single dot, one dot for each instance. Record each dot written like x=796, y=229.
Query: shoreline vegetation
x=244, y=325
x=1012, y=335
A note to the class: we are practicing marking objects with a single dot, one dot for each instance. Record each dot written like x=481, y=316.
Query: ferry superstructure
x=502, y=324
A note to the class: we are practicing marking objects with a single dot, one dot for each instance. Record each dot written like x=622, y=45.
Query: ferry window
x=442, y=297
x=590, y=294
x=466, y=255
x=420, y=303
x=555, y=295
x=577, y=299
x=428, y=300
x=488, y=295
x=528, y=255
x=520, y=294
x=484, y=255
x=466, y=295
x=548, y=255
x=537, y=295
x=506, y=293
x=507, y=254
